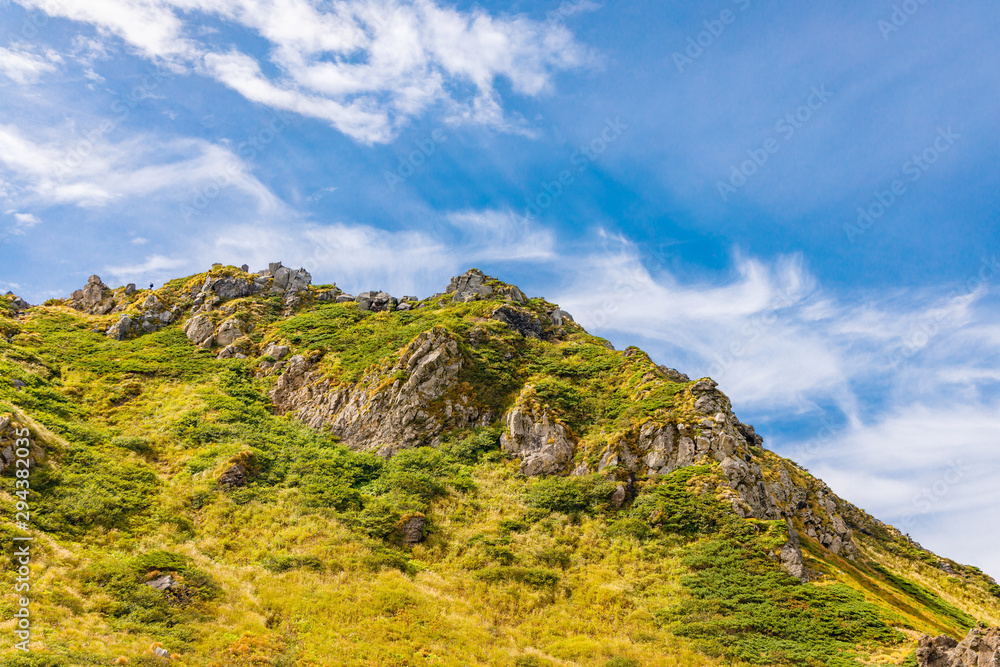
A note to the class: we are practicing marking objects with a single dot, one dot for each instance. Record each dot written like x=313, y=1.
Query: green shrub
x=570, y=494
x=621, y=662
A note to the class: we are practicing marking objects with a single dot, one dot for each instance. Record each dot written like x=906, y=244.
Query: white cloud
x=364, y=66
x=23, y=222
x=928, y=469
x=22, y=67
x=63, y=168
x=912, y=375
x=357, y=256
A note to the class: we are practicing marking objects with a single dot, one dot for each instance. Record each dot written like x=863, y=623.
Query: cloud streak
x=365, y=67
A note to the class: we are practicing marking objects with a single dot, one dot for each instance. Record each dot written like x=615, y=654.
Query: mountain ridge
x=479, y=363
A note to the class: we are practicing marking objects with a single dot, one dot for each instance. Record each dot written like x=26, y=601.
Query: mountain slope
x=309, y=477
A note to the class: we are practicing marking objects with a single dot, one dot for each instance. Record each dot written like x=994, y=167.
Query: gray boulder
x=123, y=328
x=412, y=531
x=228, y=332
x=470, y=286
x=542, y=444
x=519, y=320
x=981, y=648
x=200, y=331
x=276, y=352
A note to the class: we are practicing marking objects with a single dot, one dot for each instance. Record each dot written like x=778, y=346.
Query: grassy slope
x=303, y=565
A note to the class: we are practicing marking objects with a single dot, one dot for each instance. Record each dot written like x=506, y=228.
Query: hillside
x=248, y=469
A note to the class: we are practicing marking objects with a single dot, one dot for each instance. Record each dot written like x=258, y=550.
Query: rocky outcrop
x=790, y=556
x=94, y=299
x=412, y=529
x=474, y=285
x=376, y=301
x=543, y=445
x=18, y=304
x=519, y=320
x=201, y=331
x=395, y=407
x=154, y=316
x=981, y=648
x=709, y=432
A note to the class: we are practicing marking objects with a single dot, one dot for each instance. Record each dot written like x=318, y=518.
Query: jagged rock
x=791, y=556
x=542, y=444
x=412, y=531
x=287, y=280
x=200, y=331
x=234, y=475
x=674, y=375
x=162, y=583
x=345, y=298
x=276, y=352
x=393, y=408
x=19, y=304
x=559, y=317
x=228, y=332
x=981, y=648
x=470, y=286
x=619, y=496
x=123, y=328
x=228, y=287
x=519, y=320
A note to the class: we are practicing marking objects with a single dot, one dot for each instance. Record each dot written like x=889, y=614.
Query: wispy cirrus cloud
x=365, y=67
x=22, y=66
x=53, y=166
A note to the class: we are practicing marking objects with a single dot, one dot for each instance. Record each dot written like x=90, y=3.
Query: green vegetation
x=304, y=562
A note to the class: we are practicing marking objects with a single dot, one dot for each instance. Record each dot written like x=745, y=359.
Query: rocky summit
x=245, y=468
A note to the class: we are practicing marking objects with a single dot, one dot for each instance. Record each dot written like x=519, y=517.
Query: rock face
x=543, y=445
x=412, y=530
x=200, y=331
x=94, y=299
x=393, y=408
x=474, y=285
x=711, y=433
x=519, y=320
x=981, y=648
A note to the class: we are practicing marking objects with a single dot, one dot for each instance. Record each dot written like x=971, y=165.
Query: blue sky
x=798, y=200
